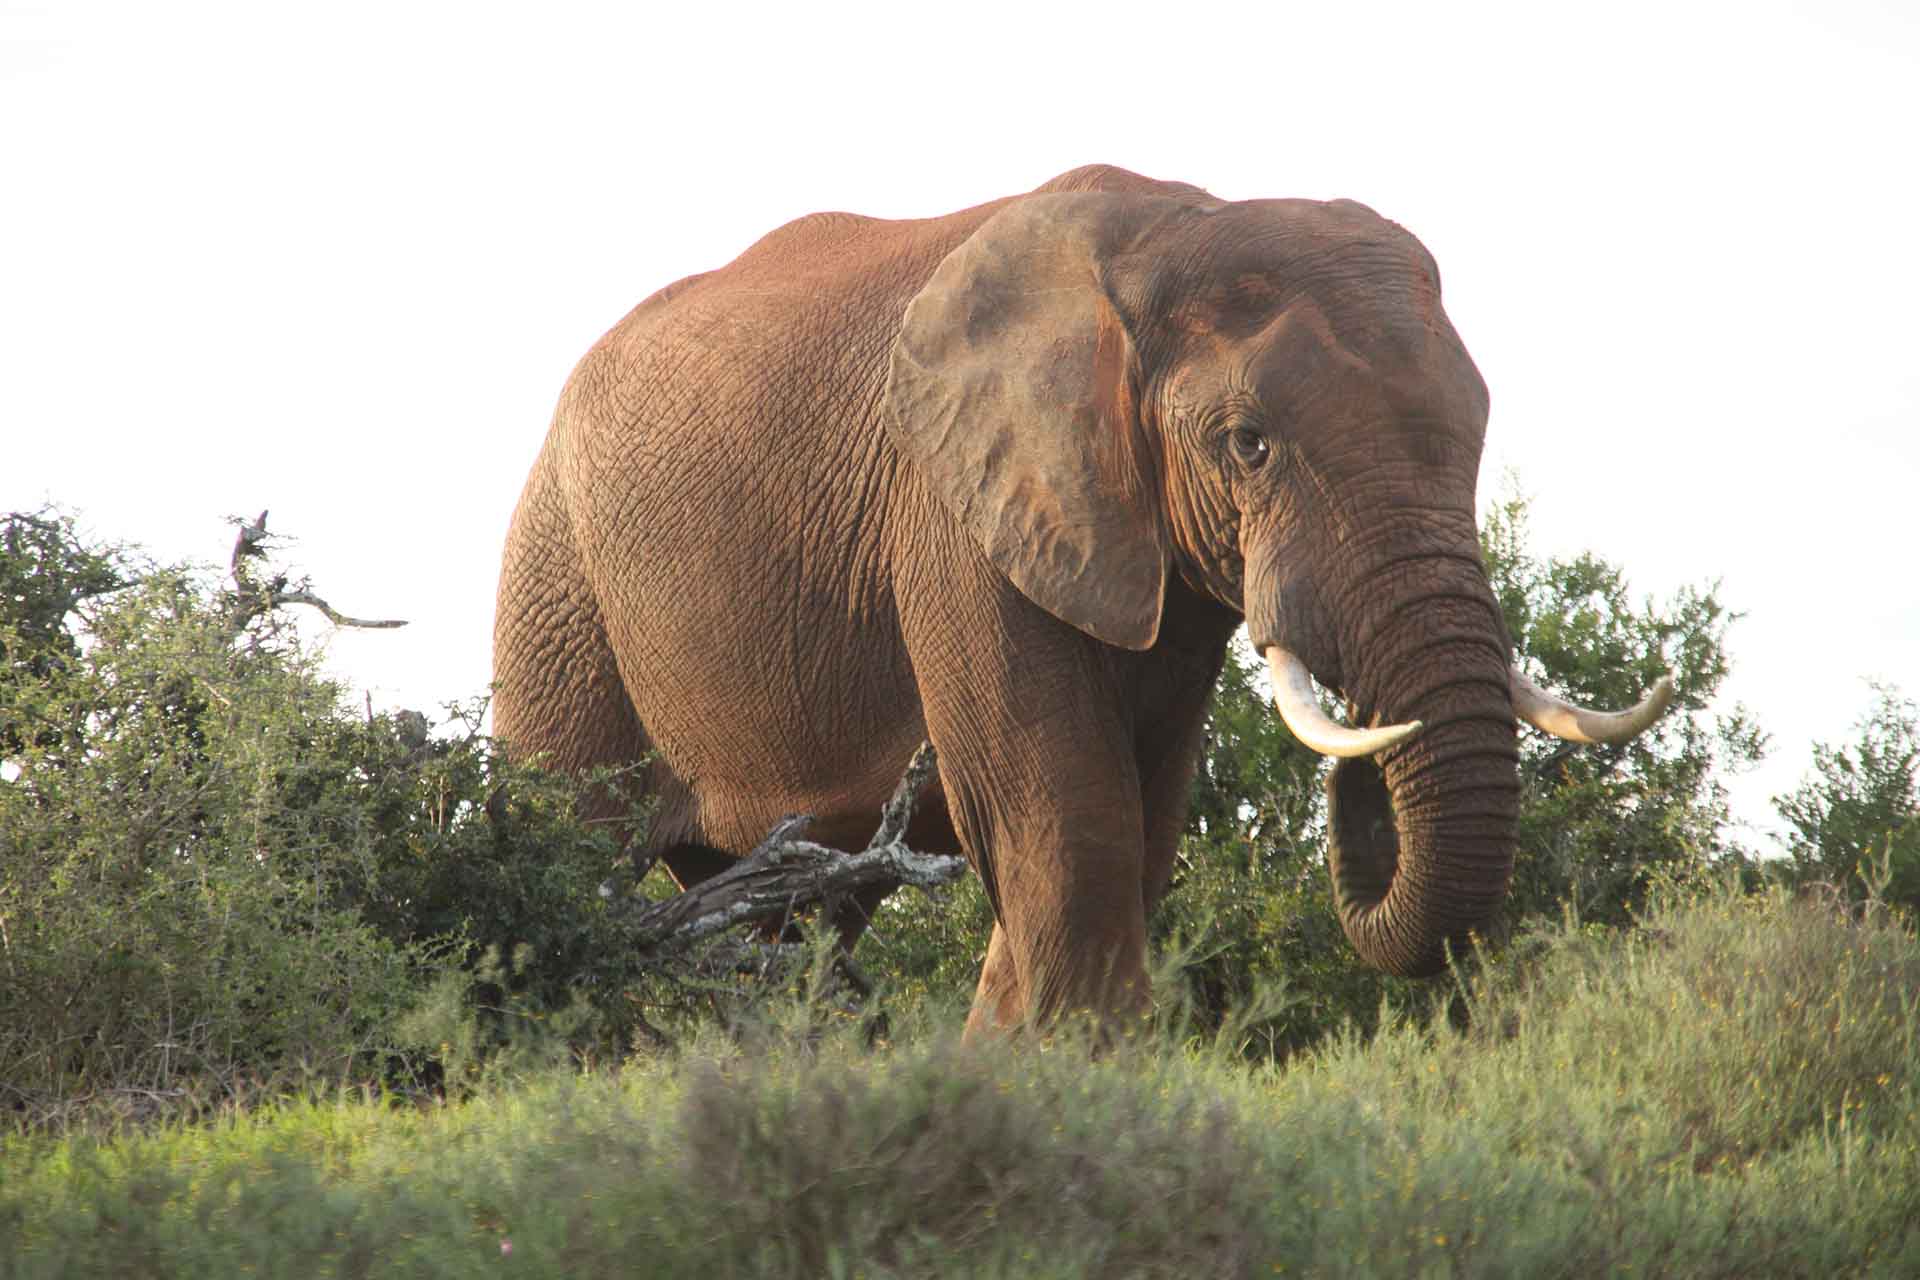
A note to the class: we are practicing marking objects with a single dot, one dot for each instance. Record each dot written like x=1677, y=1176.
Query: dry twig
x=254, y=597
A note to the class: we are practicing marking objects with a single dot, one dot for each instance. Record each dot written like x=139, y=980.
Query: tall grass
x=1729, y=1091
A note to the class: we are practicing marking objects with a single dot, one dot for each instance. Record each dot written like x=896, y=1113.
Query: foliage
x=928, y=947
x=1599, y=824
x=213, y=872
x=1731, y=1091
x=1855, y=821
x=173, y=919
x=1255, y=783
x=47, y=570
x=498, y=867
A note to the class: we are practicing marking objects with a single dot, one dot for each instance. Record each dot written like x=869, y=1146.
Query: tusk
x=1563, y=719
x=1293, y=696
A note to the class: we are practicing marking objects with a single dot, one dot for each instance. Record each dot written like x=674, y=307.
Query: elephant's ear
x=1013, y=388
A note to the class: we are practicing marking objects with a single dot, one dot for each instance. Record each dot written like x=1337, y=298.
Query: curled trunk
x=1423, y=835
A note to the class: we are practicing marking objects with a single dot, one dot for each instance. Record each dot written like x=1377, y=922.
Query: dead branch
x=254, y=597
x=786, y=874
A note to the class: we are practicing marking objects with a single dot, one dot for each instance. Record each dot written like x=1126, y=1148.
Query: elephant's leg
x=1038, y=767
x=1065, y=876
x=1168, y=765
x=997, y=1003
x=690, y=863
x=1168, y=752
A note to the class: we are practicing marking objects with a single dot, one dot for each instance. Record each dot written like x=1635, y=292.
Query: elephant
x=1009, y=480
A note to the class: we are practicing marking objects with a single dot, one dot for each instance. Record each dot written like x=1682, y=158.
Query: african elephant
x=1009, y=480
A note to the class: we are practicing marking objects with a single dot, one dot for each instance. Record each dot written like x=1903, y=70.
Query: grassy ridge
x=1729, y=1091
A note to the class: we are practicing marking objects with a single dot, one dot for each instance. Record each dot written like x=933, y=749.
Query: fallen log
x=787, y=874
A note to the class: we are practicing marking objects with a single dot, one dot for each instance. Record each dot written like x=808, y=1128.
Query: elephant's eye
x=1250, y=447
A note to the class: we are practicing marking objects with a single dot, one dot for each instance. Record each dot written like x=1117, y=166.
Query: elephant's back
x=826, y=291
x=759, y=384
x=757, y=389
x=740, y=510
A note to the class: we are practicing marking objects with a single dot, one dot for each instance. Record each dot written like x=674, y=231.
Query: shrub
x=214, y=872
x=173, y=922
x=927, y=948
x=1599, y=825
x=1855, y=821
x=1728, y=1093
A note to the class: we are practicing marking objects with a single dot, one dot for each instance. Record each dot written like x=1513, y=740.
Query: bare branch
x=899, y=809
x=255, y=598
x=248, y=545
x=787, y=873
x=333, y=615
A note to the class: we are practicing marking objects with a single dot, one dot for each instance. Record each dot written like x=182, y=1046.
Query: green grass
x=1730, y=1091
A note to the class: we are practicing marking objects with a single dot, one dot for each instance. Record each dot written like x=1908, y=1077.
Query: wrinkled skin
x=1008, y=480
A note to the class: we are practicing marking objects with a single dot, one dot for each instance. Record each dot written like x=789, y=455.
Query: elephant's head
x=1267, y=400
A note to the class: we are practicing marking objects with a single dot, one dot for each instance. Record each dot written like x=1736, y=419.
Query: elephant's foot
x=1002, y=1005
x=998, y=1008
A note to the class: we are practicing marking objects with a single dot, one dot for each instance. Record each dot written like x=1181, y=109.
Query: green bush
x=173, y=922
x=215, y=873
x=927, y=948
x=46, y=572
x=1730, y=1092
x=1599, y=825
x=1854, y=823
x=214, y=870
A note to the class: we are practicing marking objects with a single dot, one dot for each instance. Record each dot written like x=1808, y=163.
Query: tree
x=1855, y=820
x=173, y=915
x=47, y=570
x=1598, y=823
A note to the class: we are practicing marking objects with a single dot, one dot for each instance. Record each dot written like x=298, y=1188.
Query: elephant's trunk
x=1423, y=835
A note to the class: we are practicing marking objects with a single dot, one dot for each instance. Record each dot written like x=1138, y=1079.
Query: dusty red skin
x=1008, y=480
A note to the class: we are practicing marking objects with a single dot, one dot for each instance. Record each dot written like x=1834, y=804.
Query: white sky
x=336, y=260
